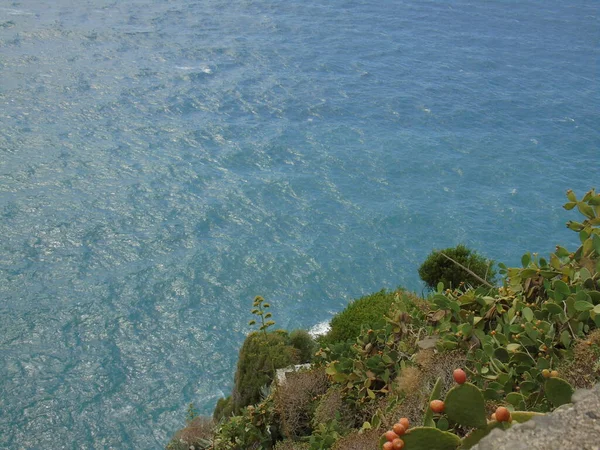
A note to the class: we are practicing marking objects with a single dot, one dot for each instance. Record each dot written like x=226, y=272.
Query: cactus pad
x=558, y=391
x=476, y=435
x=435, y=394
x=524, y=416
x=465, y=405
x=427, y=438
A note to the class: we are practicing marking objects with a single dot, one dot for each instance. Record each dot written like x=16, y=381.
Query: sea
x=164, y=162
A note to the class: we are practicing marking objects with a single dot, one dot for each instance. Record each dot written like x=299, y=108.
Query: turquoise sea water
x=163, y=162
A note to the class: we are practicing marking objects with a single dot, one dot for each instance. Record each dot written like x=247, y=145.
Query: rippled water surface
x=163, y=162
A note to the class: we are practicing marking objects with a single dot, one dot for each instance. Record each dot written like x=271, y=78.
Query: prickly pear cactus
x=558, y=391
x=428, y=438
x=524, y=416
x=435, y=394
x=465, y=405
x=476, y=435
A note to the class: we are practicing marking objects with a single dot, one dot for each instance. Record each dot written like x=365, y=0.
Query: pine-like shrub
x=437, y=268
x=304, y=343
x=224, y=408
x=260, y=355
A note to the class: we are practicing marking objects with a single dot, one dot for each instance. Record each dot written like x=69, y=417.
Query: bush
x=365, y=312
x=358, y=440
x=437, y=268
x=291, y=445
x=198, y=432
x=294, y=401
x=304, y=343
x=223, y=409
x=260, y=355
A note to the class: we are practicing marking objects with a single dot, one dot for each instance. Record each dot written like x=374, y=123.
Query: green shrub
x=437, y=268
x=260, y=355
x=223, y=409
x=304, y=343
x=365, y=312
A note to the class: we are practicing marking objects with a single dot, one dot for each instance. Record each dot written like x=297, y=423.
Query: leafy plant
x=456, y=266
x=260, y=355
x=304, y=343
x=365, y=312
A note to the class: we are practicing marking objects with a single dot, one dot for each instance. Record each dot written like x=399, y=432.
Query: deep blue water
x=163, y=162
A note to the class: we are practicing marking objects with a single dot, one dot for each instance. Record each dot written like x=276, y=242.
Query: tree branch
x=468, y=270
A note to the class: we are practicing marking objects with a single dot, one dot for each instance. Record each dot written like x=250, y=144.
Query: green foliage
x=437, y=268
x=260, y=310
x=558, y=391
x=325, y=435
x=375, y=360
x=304, y=343
x=465, y=406
x=435, y=394
x=476, y=435
x=223, y=409
x=428, y=438
x=253, y=429
x=544, y=318
x=260, y=355
x=191, y=413
x=365, y=312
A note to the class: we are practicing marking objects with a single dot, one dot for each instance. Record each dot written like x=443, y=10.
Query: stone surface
x=571, y=427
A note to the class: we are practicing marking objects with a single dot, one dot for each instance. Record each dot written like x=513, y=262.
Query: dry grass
x=199, y=428
x=294, y=400
x=439, y=365
x=291, y=445
x=369, y=440
x=409, y=380
x=583, y=370
x=414, y=384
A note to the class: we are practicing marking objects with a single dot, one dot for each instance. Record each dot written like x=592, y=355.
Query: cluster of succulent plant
x=374, y=360
x=445, y=421
x=516, y=343
x=516, y=333
x=252, y=428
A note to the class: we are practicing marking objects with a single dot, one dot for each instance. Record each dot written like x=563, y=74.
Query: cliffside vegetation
x=522, y=346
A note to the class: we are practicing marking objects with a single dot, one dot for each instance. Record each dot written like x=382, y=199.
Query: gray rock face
x=571, y=427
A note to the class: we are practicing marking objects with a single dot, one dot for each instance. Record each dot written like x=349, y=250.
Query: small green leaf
x=525, y=259
x=513, y=347
x=442, y=424
x=558, y=391
x=586, y=210
x=562, y=287
x=553, y=308
x=597, y=309
x=583, y=306
x=527, y=314
x=565, y=338
x=596, y=241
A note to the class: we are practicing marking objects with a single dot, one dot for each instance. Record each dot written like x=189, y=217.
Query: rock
x=573, y=427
